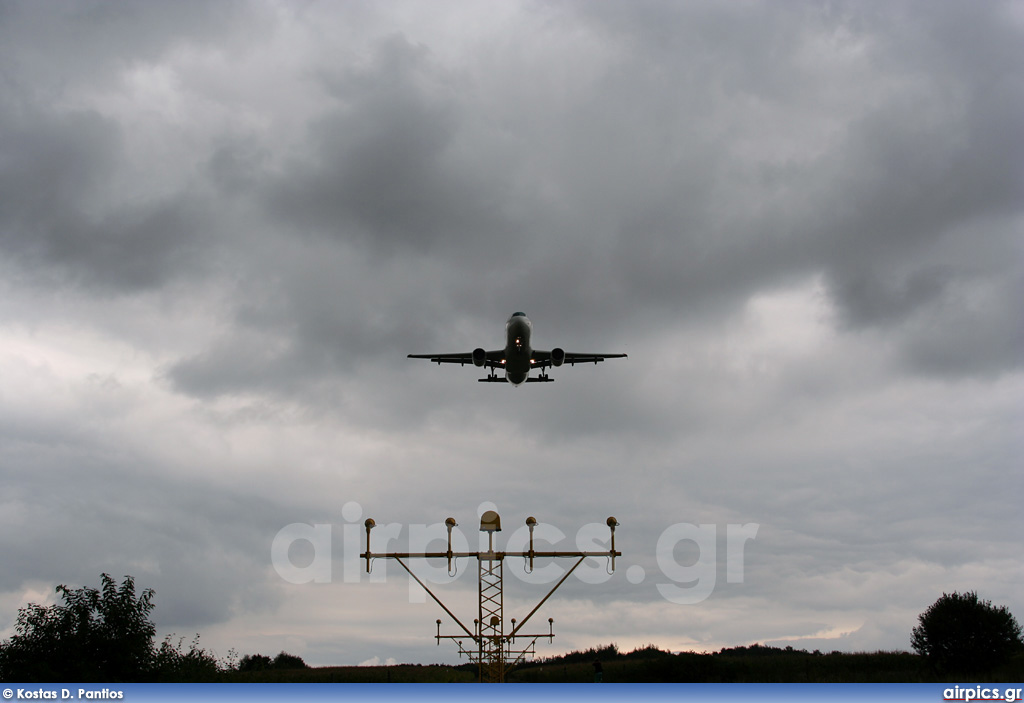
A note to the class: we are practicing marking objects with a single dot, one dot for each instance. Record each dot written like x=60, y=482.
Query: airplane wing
x=492, y=359
x=543, y=358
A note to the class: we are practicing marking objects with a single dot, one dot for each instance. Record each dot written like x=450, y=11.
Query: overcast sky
x=223, y=226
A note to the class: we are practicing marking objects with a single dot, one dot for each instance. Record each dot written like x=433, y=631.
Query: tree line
x=106, y=635
x=959, y=633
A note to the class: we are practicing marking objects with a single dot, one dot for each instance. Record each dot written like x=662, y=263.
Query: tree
x=254, y=662
x=284, y=660
x=100, y=635
x=172, y=663
x=260, y=662
x=94, y=635
x=959, y=632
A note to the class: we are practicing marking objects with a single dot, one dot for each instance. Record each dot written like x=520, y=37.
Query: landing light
x=490, y=522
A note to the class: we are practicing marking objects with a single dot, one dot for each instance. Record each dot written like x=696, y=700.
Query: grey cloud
x=51, y=164
x=380, y=168
x=900, y=177
x=645, y=222
x=125, y=519
x=974, y=331
x=318, y=329
x=56, y=212
x=50, y=49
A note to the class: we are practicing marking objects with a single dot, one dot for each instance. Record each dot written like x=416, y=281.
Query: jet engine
x=557, y=356
x=479, y=356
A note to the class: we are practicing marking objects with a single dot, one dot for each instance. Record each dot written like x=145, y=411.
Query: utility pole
x=494, y=649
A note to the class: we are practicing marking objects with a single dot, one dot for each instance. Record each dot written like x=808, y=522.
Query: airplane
x=518, y=358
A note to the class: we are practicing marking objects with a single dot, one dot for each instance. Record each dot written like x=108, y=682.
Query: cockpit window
x=519, y=314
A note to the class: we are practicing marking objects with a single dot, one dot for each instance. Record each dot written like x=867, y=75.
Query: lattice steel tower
x=495, y=650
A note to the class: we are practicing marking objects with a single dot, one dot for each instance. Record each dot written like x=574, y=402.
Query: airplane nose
x=516, y=379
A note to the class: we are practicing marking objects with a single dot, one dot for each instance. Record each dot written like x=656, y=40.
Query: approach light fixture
x=490, y=521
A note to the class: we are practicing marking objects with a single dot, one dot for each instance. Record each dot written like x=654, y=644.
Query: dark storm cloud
x=924, y=154
x=54, y=211
x=385, y=175
x=664, y=211
x=935, y=166
x=380, y=167
x=59, y=205
x=49, y=163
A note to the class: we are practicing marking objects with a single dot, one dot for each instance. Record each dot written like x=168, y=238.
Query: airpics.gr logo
x=685, y=581
x=981, y=693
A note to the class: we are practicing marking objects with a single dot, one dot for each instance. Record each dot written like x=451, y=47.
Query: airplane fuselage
x=518, y=353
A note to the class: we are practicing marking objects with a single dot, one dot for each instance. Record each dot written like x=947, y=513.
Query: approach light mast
x=494, y=649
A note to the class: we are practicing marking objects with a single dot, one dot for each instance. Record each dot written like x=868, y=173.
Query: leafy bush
x=173, y=663
x=959, y=632
x=99, y=635
x=95, y=635
x=260, y=662
x=254, y=662
x=288, y=661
